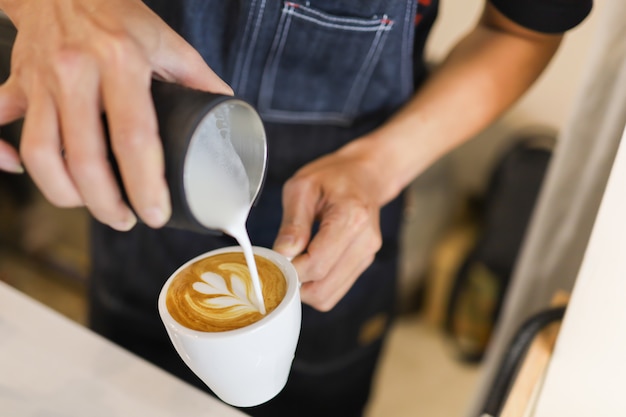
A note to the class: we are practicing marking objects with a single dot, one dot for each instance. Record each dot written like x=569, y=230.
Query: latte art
x=216, y=294
x=237, y=296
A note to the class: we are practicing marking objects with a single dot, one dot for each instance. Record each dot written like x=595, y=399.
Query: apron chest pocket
x=320, y=65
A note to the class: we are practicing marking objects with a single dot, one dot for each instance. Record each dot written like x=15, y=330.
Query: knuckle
x=116, y=49
x=290, y=229
x=82, y=167
x=128, y=139
x=325, y=303
x=354, y=214
x=319, y=300
x=359, y=214
x=324, y=306
x=33, y=155
x=68, y=62
x=289, y=186
x=374, y=244
x=120, y=54
x=369, y=260
x=131, y=134
x=317, y=271
x=298, y=184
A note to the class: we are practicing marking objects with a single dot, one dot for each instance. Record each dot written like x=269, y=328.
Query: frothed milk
x=222, y=202
x=213, y=294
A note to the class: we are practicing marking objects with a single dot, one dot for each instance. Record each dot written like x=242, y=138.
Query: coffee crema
x=215, y=294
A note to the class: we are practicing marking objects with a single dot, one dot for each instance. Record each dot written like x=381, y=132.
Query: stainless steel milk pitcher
x=186, y=117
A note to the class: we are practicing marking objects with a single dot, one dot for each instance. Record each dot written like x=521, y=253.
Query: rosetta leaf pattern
x=222, y=296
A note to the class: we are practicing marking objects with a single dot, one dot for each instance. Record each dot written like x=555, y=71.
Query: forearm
x=482, y=76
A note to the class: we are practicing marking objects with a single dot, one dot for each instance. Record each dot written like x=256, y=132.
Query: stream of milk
x=218, y=189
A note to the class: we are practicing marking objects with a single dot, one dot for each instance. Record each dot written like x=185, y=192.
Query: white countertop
x=51, y=366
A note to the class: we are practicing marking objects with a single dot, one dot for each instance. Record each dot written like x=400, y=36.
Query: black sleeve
x=548, y=16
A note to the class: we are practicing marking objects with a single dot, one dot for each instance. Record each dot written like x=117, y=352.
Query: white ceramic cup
x=250, y=365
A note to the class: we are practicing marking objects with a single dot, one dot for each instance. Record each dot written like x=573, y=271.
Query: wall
x=436, y=194
x=547, y=103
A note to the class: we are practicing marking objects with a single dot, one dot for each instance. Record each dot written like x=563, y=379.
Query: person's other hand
x=340, y=191
x=74, y=59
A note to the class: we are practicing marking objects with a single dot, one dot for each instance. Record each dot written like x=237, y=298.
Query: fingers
x=299, y=202
x=325, y=294
x=84, y=143
x=343, y=248
x=9, y=159
x=341, y=224
x=12, y=102
x=12, y=107
x=131, y=118
x=70, y=66
x=41, y=152
x=134, y=136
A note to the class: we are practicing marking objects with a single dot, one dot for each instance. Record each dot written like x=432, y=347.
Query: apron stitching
x=383, y=26
x=354, y=21
x=406, y=69
x=271, y=68
x=238, y=66
x=368, y=66
x=257, y=28
x=372, y=28
x=381, y=30
x=279, y=115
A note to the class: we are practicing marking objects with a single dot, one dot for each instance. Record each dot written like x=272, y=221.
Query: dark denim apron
x=321, y=73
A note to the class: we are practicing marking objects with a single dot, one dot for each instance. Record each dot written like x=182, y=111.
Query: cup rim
x=281, y=261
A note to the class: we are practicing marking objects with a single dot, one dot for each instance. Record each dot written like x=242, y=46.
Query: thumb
x=298, y=217
x=181, y=63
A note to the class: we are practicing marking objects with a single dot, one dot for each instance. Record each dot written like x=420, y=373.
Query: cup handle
x=290, y=258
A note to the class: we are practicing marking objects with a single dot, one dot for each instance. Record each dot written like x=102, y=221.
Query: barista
x=351, y=119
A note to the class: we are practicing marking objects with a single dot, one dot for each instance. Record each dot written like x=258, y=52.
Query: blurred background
x=453, y=276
